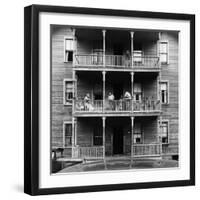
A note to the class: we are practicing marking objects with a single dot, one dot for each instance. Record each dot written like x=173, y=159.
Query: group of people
x=124, y=103
x=120, y=105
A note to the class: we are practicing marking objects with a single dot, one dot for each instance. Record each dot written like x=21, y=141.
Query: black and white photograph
x=109, y=99
x=114, y=99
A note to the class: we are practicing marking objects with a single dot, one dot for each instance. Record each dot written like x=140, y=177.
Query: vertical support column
x=132, y=87
x=104, y=47
x=73, y=137
x=104, y=139
x=74, y=45
x=73, y=89
x=132, y=131
x=104, y=89
x=75, y=131
x=132, y=47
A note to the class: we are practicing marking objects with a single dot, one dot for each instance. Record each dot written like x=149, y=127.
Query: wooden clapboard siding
x=170, y=73
x=60, y=71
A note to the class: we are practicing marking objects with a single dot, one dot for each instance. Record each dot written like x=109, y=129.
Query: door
x=118, y=52
x=118, y=90
x=118, y=140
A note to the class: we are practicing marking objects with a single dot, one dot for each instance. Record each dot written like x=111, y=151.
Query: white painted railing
x=123, y=105
x=117, y=61
x=146, y=105
x=118, y=105
x=140, y=150
x=89, y=106
x=95, y=152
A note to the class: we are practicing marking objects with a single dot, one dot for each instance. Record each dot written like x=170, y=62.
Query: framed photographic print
x=109, y=100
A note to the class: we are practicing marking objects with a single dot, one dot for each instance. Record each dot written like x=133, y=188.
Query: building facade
x=114, y=92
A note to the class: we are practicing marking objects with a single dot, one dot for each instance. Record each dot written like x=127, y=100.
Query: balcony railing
x=95, y=152
x=116, y=106
x=117, y=61
x=140, y=150
x=89, y=106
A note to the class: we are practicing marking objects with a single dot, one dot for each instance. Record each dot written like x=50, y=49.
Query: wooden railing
x=117, y=61
x=146, y=105
x=123, y=105
x=95, y=152
x=118, y=105
x=89, y=106
x=88, y=60
x=140, y=150
x=145, y=61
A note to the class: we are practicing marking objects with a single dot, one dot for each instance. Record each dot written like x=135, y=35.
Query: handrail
x=122, y=61
x=145, y=105
x=152, y=149
x=94, y=152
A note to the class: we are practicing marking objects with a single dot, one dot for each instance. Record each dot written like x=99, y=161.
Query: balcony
x=117, y=62
x=117, y=107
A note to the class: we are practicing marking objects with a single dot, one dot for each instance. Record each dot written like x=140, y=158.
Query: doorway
x=118, y=51
x=118, y=90
x=117, y=140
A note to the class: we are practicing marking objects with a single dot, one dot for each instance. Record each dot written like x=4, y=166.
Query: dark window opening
x=98, y=137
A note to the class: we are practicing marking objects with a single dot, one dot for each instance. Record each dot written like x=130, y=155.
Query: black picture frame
x=31, y=98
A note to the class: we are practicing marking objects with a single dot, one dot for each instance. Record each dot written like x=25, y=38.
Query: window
x=68, y=134
x=164, y=132
x=137, y=136
x=68, y=92
x=98, y=56
x=97, y=137
x=137, y=90
x=164, y=93
x=69, y=48
x=163, y=52
x=137, y=56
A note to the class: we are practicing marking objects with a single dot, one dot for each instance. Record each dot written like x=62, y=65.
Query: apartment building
x=114, y=92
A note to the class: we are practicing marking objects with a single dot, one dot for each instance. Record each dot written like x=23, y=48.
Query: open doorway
x=117, y=140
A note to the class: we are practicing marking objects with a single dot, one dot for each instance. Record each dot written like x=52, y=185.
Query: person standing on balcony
x=127, y=98
x=87, y=101
x=127, y=58
x=111, y=99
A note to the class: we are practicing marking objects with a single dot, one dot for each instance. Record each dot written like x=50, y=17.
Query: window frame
x=64, y=92
x=64, y=141
x=93, y=136
x=168, y=126
x=167, y=82
x=68, y=38
x=159, y=53
x=142, y=134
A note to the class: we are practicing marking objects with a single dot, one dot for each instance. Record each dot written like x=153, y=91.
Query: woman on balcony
x=127, y=98
x=87, y=102
x=111, y=99
x=127, y=57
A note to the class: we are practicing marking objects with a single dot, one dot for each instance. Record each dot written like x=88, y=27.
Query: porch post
x=132, y=87
x=132, y=47
x=104, y=89
x=132, y=130
x=73, y=89
x=104, y=140
x=74, y=45
x=73, y=119
x=104, y=47
x=75, y=131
